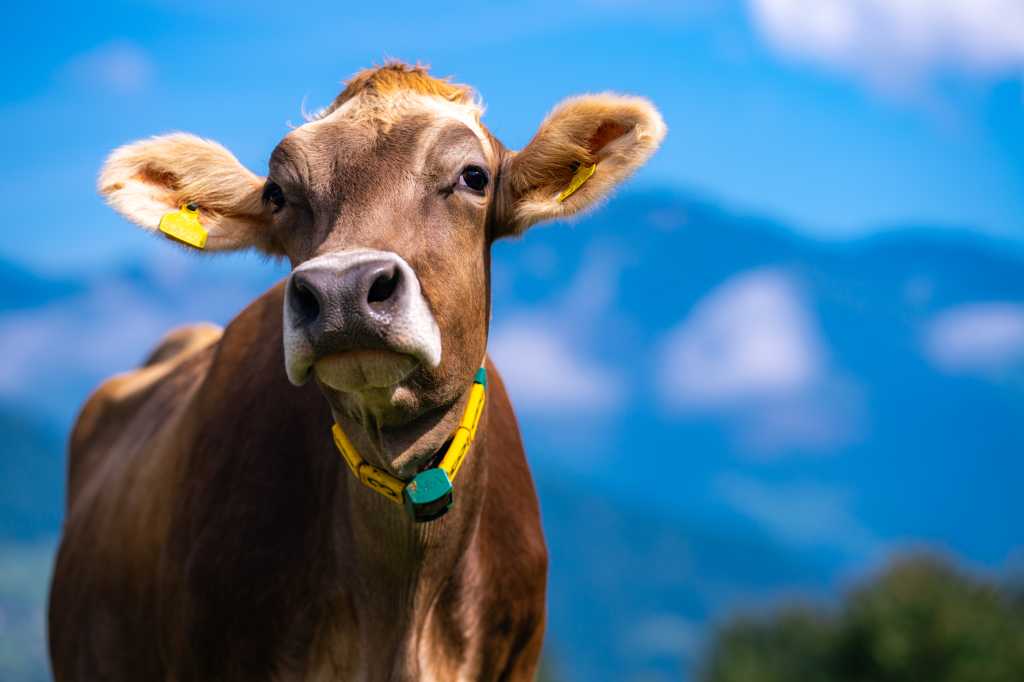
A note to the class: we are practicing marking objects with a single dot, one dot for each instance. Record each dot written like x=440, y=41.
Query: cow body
x=214, y=533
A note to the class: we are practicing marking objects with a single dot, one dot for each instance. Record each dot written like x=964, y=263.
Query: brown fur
x=395, y=76
x=212, y=530
x=226, y=540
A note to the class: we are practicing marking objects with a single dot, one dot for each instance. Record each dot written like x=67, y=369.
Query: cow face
x=386, y=205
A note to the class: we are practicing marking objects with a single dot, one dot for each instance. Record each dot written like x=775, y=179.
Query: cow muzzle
x=359, y=320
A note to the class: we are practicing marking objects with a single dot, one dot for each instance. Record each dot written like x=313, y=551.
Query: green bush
x=920, y=620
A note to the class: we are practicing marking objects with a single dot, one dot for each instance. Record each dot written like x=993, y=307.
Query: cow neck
x=401, y=567
x=430, y=494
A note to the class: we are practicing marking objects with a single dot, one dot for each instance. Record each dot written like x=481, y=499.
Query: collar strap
x=429, y=494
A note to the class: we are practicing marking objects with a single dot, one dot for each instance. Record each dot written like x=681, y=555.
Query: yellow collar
x=429, y=494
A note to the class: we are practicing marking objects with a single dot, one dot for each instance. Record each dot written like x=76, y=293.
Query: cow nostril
x=305, y=303
x=383, y=287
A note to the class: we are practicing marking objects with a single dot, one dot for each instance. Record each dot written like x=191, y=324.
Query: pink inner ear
x=606, y=133
x=159, y=178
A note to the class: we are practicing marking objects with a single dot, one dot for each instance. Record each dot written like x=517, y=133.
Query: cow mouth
x=359, y=370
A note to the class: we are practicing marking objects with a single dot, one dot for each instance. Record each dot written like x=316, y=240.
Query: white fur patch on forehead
x=466, y=113
x=375, y=111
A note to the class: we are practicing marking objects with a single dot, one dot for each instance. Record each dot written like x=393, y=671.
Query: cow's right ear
x=149, y=179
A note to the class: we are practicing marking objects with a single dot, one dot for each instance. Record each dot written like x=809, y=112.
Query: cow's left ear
x=150, y=179
x=583, y=149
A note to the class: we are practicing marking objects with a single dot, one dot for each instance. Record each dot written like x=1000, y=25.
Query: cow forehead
x=375, y=114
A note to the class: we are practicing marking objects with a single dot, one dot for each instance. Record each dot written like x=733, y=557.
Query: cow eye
x=273, y=195
x=474, y=177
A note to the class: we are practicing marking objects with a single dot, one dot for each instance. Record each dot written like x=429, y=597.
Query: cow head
x=386, y=205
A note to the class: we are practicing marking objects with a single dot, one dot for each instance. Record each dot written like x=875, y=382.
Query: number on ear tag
x=583, y=174
x=183, y=225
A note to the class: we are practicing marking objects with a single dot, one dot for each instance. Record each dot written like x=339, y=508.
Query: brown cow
x=213, y=530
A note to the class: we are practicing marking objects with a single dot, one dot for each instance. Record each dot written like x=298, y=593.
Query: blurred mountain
x=630, y=592
x=31, y=477
x=22, y=288
x=717, y=409
x=24, y=571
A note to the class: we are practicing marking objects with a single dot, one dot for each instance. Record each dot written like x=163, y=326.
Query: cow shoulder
x=112, y=413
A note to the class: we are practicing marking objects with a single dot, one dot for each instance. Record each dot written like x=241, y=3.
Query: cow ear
x=583, y=149
x=150, y=179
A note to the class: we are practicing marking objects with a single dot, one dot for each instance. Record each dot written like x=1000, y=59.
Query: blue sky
x=841, y=120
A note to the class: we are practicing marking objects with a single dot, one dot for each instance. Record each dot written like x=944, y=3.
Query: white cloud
x=893, y=42
x=56, y=352
x=106, y=331
x=979, y=338
x=544, y=372
x=751, y=352
x=546, y=351
x=121, y=68
x=750, y=338
x=800, y=513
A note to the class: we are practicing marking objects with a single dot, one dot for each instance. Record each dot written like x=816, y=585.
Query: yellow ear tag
x=183, y=225
x=583, y=174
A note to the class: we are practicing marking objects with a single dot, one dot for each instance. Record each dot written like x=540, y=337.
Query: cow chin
x=357, y=371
